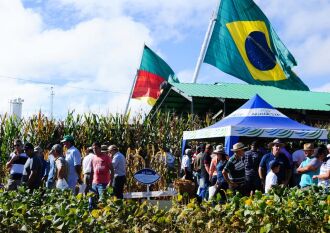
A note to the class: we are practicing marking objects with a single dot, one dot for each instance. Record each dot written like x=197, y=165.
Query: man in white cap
x=234, y=170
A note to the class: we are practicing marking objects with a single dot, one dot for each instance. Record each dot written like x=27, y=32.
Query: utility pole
x=52, y=94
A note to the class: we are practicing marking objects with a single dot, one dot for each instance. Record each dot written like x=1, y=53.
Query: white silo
x=16, y=107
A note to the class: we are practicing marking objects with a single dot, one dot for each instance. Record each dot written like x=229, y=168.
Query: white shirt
x=87, y=163
x=185, y=163
x=271, y=179
x=325, y=167
x=73, y=158
x=119, y=164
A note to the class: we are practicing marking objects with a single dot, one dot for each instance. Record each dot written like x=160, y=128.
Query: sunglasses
x=16, y=145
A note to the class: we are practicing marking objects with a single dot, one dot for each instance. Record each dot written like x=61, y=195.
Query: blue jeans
x=99, y=189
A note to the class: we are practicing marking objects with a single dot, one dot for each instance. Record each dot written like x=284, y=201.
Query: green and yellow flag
x=152, y=73
x=244, y=44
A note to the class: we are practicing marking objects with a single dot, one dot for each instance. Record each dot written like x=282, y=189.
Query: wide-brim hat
x=238, y=146
x=219, y=149
x=308, y=146
x=276, y=142
x=67, y=138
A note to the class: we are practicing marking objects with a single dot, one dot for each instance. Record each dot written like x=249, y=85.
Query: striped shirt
x=17, y=167
x=235, y=169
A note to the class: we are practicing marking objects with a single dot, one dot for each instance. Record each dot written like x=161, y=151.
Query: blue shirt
x=307, y=177
x=281, y=159
x=73, y=158
x=219, y=167
x=251, y=161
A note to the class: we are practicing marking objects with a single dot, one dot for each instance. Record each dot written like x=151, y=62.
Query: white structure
x=16, y=107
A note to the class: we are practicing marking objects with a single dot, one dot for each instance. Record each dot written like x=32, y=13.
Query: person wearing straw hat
x=215, y=160
x=234, y=171
x=284, y=174
x=309, y=167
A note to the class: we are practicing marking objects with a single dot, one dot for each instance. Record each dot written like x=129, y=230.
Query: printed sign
x=146, y=176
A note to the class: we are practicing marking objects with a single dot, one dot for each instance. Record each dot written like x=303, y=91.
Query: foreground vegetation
x=283, y=210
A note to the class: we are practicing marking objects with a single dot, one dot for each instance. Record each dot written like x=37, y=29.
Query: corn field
x=141, y=138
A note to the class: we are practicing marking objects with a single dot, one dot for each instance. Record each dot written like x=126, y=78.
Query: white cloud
x=168, y=19
x=323, y=88
x=95, y=54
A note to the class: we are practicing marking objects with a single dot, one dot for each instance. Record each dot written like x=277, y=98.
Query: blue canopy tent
x=256, y=118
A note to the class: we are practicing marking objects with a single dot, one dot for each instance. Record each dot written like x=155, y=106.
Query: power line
x=69, y=86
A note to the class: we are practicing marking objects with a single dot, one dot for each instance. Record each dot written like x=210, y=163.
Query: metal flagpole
x=134, y=82
x=205, y=43
x=130, y=94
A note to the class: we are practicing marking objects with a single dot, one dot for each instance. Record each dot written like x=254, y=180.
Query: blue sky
x=90, y=50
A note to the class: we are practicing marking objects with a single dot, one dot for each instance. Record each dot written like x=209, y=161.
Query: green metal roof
x=278, y=98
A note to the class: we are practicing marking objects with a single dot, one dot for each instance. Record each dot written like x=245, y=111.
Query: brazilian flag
x=244, y=44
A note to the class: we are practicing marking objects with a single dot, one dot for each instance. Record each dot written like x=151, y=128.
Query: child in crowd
x=271, y=178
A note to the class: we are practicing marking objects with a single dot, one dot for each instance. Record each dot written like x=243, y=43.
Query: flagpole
x=205, y=43
x=134, y=82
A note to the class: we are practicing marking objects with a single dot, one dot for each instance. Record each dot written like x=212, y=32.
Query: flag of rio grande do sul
x=244, y=44
x=152, y=73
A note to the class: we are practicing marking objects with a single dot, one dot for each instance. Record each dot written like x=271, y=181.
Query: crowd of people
x=104, y=166
x=213, y=171
x=256, y=168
